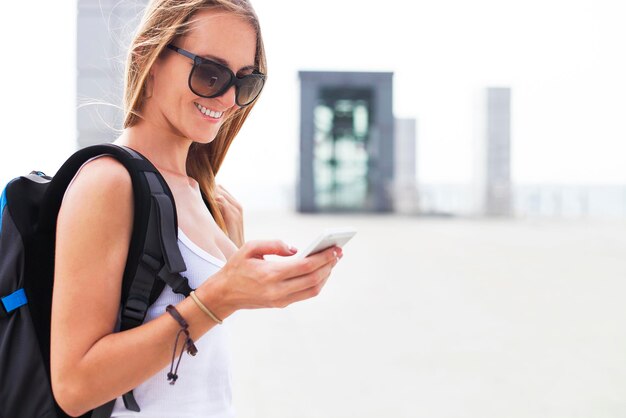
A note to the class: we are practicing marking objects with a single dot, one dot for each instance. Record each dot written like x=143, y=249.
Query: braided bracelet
x=191, y=348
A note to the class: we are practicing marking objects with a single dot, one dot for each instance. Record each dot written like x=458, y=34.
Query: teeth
x=209, y=112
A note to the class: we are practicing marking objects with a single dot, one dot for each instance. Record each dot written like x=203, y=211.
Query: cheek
x=174, y=97
x=171, y=81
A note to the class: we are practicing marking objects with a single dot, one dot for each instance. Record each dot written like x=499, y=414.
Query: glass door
x=340, y=169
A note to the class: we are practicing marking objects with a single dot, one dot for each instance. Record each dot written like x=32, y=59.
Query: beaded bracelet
x=191, y=348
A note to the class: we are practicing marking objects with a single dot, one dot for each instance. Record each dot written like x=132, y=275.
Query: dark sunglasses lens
x=208, y=79
x=249, y=88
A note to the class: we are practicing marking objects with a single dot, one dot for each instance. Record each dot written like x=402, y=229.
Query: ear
x=149, y=85
x=152, y=72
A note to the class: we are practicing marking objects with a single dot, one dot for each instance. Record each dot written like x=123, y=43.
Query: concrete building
x=498, y=193
x=405, y=196
x=346, y=142
x=103, y=35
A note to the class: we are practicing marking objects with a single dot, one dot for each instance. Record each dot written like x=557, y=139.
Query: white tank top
x=203, y=388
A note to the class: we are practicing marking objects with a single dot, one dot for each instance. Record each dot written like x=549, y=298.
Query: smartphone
x=328, y=238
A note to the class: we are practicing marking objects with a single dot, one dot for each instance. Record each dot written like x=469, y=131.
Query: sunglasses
x=211, y=79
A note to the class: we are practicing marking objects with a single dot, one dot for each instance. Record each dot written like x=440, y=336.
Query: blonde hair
x=163, y=21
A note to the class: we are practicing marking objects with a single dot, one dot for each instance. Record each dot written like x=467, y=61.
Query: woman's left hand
x=232, y=212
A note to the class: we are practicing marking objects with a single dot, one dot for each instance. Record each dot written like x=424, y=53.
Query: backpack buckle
x=12, y=302
x=178, y=282
x=135, y=309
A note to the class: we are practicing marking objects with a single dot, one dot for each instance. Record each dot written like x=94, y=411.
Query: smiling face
x=216, y=35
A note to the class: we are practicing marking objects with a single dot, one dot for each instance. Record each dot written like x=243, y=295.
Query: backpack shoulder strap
x=154, y=258
x=155, y=224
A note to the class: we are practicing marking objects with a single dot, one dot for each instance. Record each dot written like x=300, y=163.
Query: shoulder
x=101, y=192
x=100, y=175
x=105, y=171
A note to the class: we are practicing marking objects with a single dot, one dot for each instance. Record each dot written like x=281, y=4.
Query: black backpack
x=28, y=212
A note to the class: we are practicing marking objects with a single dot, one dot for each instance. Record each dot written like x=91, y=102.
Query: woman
x=182, y=113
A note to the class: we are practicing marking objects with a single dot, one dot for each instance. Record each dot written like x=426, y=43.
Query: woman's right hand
x=248, y=281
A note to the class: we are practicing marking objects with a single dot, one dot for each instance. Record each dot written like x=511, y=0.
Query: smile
x=208, y=112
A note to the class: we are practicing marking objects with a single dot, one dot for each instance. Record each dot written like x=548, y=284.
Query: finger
x=224, y=191
x=227, y=202
x=259, y=248
x=304, y=294
x=222, y=202
x=306, y=281
x=230, y=199
x=300, y=266
x=221, y=191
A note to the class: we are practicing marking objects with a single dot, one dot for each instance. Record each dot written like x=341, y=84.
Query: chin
x=204, y=132
x=204, y=139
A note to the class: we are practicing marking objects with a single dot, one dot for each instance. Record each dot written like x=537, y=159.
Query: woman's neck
x=167, y=152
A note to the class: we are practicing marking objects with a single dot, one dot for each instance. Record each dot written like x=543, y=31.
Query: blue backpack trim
x=3, y=203
x=14, y=300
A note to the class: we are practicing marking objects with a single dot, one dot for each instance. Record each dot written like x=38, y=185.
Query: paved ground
x=443, y=318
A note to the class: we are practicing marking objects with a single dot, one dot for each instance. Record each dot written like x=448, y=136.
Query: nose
x=228, y=98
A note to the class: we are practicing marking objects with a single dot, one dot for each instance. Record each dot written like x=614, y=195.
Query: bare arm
x=90, y=364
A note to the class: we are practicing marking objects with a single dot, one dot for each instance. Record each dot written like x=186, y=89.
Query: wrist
x=213, y=294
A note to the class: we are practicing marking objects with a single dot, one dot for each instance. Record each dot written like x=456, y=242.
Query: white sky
x=563, y=60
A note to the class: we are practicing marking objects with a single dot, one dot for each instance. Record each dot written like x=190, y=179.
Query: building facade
x=498, y=194
x=346, y=142
x=103, y=34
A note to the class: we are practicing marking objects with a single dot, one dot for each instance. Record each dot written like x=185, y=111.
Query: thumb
x=260, y=248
